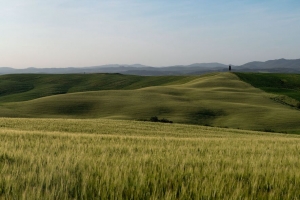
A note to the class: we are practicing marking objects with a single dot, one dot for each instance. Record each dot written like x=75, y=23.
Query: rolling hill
x=22, y=87
x=281, y=84
x=219, y=99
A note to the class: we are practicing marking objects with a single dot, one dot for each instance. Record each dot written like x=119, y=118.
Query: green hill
x=23, y=87
x=220, y=99
x=282, y=84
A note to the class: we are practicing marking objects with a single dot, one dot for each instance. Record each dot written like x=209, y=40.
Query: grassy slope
x=115, y=159
x=22, y=87
x=282, y=84
x=218, y=99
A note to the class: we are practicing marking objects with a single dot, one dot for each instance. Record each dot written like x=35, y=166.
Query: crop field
x=119, y=159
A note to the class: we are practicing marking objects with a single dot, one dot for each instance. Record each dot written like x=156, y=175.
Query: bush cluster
x=155, y=119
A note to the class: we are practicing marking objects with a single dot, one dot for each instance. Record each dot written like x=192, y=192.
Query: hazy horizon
x=145, y=65
x=65, y=33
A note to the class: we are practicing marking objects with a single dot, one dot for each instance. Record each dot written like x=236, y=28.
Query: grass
x=112, y=159
x=281, y=84
x=23, y=87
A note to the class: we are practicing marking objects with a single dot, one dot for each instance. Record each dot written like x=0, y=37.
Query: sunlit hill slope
x=220, y=99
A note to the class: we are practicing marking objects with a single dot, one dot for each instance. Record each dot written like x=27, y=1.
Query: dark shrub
x=268, y=130
x=154, y=119
x=165, y=121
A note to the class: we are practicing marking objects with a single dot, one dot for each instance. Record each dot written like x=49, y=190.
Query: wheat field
x=117, y=159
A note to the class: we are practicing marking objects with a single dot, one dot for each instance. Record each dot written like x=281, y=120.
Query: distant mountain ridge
x=273, y=66
x=280, y=66
x=135, y=69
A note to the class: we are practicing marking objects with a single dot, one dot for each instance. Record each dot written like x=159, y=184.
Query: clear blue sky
x=64, y=33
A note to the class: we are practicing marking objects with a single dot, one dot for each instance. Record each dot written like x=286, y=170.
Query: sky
x=78, y=33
